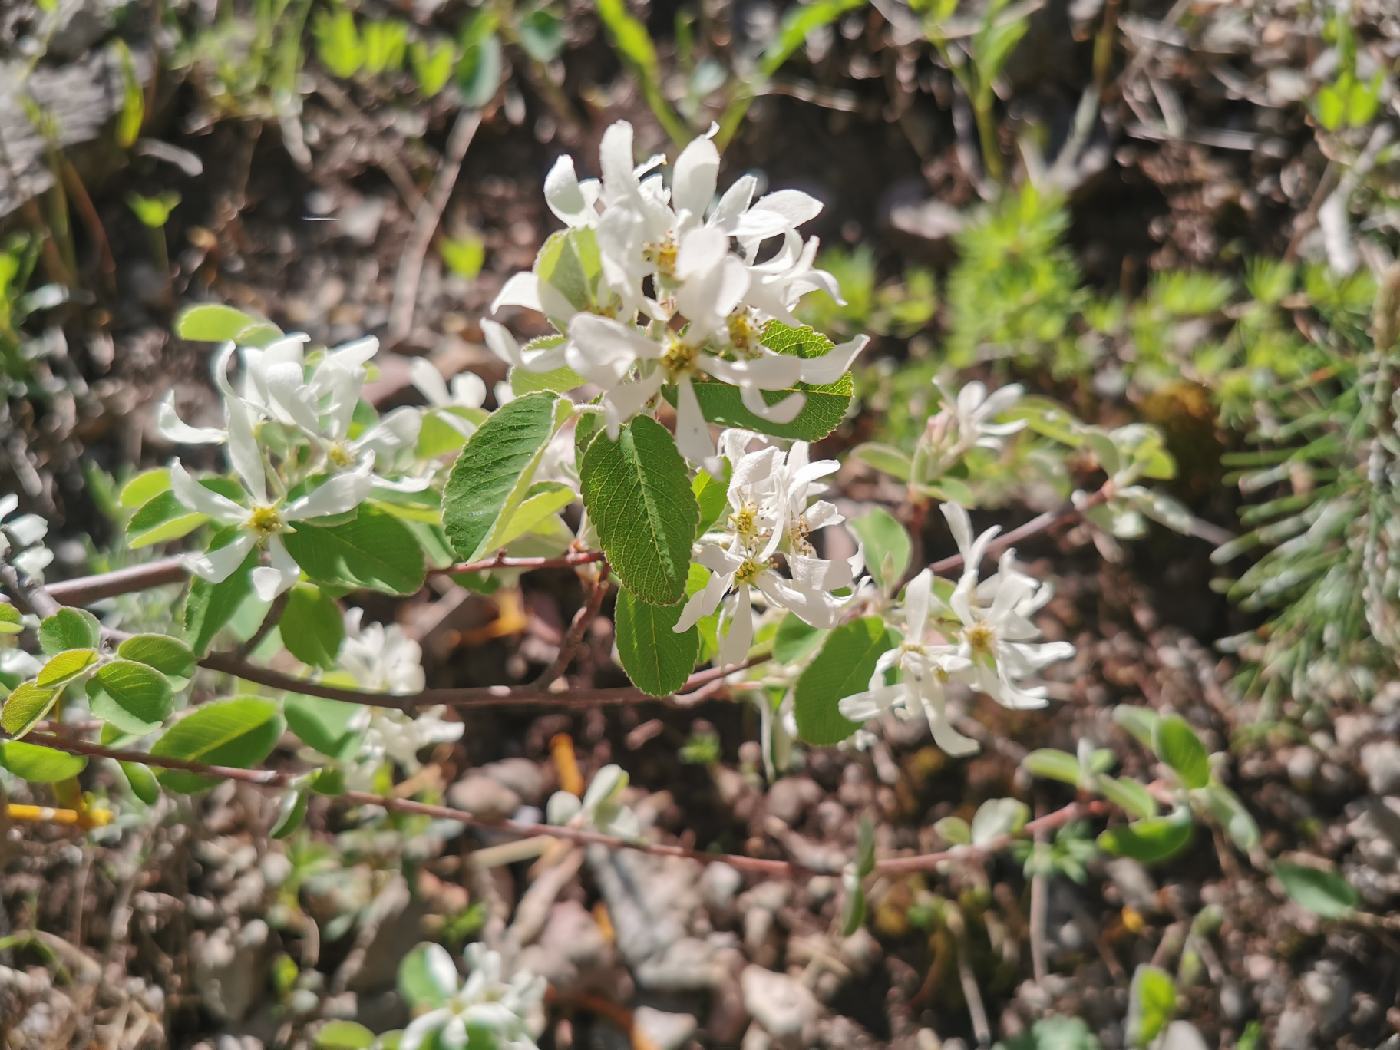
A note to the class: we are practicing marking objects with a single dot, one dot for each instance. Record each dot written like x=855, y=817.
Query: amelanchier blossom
x=982, y=638
x=767, y=529
x=485, y=1010
x=601, y=809
x=681, y=296
x=968, y=420
x=384, y=659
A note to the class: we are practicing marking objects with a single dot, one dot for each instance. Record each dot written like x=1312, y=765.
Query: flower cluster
x=485, y=1010
x=20, y=538
x=306, y=410
x=601, y=809
x=773, y=510
x=385, y=659
x=657, y=286
x=982, y=636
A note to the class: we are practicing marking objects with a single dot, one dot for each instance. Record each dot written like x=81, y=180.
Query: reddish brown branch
x=1040, y=523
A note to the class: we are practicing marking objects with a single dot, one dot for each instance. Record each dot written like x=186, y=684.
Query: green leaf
x=1140, y=722
x=338, y=43
x=822, y=412
x=887, y=546
x=464, y=255
x=544, y=500
x=432, y=65
x=291, y=813
x=637, y=493
x=141, y=781
x=1150, y=840
x=131, y=696
x=479, y=69
x=493, y=471
x=213, y=323
x=39, y=765
x=239, y=732
x=344, y=1035
x=143, y=488
x=712, y=496
x=133, y=110
x=1177, y=744
x=1053, y=765
x=1128, y=795
x=161, y=519
x=311, y=626
x=998, y=817
x=373, y=550
x=154, y=212
x=210, y=606
x=954, y=830
x=541, y=35
x=27, y=703
x=841, y=668
x=69, y=629
x=1322, y=892
x=795, y=639
x=427, y=976
x=656, y=658
x=1151, y=1003
x=800, y=22
x=330, y=726
x=169, y=656
x=63, y=668
x=10, y=620
x=1229, y=812
x=886, y=458
x=1055, y=1033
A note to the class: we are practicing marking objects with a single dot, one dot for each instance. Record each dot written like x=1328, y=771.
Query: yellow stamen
x=662, y=255
x=339, y=455
x=679, y=358
x=748, y=571
x=981, y=638
x=265, y=521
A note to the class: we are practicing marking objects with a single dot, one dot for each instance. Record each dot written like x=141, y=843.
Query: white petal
x=429, y=380
x=271, y=580
x=520, y=290
x=564, y=195
x=833, y=364
x=783, y=412
x=702, y=603
x=354, y=354
x=692, y=432
x=733, y=203
x=27, y=529
x=917, y=600
x=343, y=492
x=243, y=451
x=693, y=181
x=735, y=644
x=615, y=155
x=174, y=429
x=218, y=565
x=198, y=498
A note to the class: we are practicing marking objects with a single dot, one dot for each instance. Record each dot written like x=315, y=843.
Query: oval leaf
x=169, y=656
x=1150, y=840
x=842, y=667
x=1322, y=892
x=239, y=732
x=69, y=629
x=1177, y=744
x=655, y=657
x=132, y=696
x=27, y=703
x=39, y=765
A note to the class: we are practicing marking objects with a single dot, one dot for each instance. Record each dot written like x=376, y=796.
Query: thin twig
x=573, y=639
x=425, y=224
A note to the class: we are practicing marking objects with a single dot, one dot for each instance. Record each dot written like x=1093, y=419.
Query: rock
x=1381, y=762
x=359, y=219
x=1295, y=1030
x=520, y=775
x=781, y=1004
x=483, y=796
x=718, y=886
x=663, y=1029
x=1302, y=767
x=230, y=969
x=572, y=953
x=790, y=798
x=1329, y=991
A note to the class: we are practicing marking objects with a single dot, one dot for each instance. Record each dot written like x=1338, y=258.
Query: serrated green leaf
x=39, y=765
x=69, y=629
x=311, y=626
x=1052, y=764
x=1149, y=840
x=240, y=732
x=1321, y=892
x=493, y=471
x=169, y=656
x=637, y=493
x=822, y=412
x=841, y=668
x=886, y=544
x=131, y=696
x=373, y=550
x=655, y=657
x=332, y=727
x=27, y=703
x=1177, y=744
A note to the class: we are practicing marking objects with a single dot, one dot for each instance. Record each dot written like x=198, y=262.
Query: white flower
x=261, y=519
x=997, y=636
x=379, y=658
x=769, y=513
x=967, y=419
x=486, y=1008
x=601, y=807
x=468, y=391
x=924, y=670
x=22, y=533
